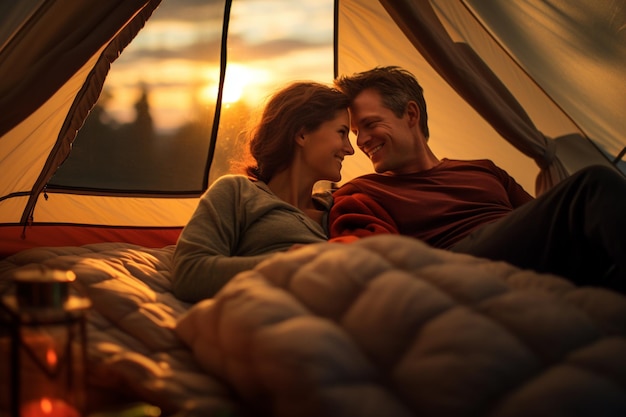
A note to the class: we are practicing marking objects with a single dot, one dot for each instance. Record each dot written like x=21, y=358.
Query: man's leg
x=576, y=230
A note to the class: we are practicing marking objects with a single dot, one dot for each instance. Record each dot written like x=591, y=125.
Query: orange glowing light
x=51, y=357
x=46, y=405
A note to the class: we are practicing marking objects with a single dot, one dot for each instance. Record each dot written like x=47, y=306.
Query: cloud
x=177, y=53
x=209, y=51
x=190, y=10
x=192, y=29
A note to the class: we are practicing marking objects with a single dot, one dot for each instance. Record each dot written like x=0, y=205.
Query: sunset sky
x=176, y=55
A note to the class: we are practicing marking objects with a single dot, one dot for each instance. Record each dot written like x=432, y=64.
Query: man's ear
x=413, y=113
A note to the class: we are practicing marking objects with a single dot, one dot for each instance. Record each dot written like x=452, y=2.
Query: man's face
x=386, y=139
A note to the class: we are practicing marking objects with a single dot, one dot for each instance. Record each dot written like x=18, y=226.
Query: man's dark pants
x=576, y=230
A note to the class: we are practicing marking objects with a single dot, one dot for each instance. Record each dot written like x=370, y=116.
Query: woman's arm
x=203, y=260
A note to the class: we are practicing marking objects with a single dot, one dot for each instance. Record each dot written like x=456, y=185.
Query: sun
x=237, y=78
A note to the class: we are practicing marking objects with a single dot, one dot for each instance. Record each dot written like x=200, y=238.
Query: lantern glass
x=44, y=347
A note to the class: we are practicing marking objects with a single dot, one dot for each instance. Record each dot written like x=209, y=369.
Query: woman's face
x=325, y=148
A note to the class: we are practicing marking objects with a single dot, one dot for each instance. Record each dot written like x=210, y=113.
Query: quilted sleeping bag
x=388, y=327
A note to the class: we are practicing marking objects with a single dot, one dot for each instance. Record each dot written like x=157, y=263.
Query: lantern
x=43, y=343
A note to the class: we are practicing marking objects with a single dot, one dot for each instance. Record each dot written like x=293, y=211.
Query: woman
x=302, y=138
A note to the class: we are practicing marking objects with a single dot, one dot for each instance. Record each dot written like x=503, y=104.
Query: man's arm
x=354, y=214
x=517, y=195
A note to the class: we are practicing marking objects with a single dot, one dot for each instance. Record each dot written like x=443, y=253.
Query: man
x=576, y=230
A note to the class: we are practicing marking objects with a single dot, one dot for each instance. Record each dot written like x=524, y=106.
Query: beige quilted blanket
x=389, y=327
x=381, y=327
x=134, y=353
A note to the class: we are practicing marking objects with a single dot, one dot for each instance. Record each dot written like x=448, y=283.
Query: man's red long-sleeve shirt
x=439, y=206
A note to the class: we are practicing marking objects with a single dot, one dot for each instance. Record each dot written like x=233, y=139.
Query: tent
x=536, y=86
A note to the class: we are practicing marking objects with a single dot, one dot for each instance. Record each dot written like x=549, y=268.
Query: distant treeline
x=133, y=156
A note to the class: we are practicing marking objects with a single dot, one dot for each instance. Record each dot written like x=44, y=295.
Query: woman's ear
x=300, y=137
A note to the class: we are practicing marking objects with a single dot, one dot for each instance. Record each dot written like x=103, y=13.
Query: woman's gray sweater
x=237, y=224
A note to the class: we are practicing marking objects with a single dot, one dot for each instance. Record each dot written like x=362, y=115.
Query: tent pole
x=220, y=91
x=336, y=39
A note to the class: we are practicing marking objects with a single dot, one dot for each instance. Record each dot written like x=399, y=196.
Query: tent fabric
x=53, y=66
x=575, y=50
x=360, y=48
x=467, y=74
x=74, y=235
x=88, y=95
x=51, y=46
x=450, y=35
x=535, y=74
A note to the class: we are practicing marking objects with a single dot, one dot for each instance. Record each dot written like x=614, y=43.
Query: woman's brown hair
x=299, y=107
